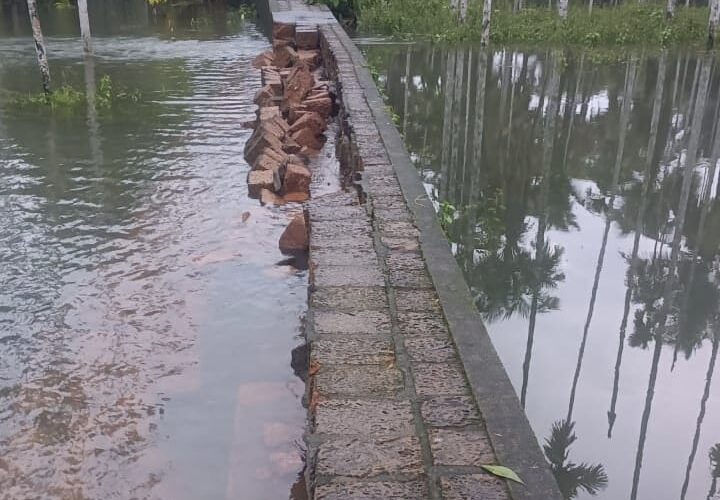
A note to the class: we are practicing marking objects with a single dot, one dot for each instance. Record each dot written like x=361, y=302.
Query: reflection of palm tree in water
x=541, y=246
x=656, y=321
x=648, y=175
x=715, y=473
x=571, y=477
x=711, y=292
x=624, y=120
x=590, y=477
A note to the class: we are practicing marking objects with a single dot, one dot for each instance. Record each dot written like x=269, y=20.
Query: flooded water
x=580, y=197
x=146, y=325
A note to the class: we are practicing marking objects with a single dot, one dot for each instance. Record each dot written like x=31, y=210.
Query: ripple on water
x=144, y=327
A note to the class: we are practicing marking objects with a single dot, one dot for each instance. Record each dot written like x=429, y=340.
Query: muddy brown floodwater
x=147, y=318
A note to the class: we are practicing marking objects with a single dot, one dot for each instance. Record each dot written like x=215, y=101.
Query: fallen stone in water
x=310, y=58
x=267, y=197
x=299, y=82
x=268, y=160
x=297, y=179
x=281, y=43
x=307, y=138
x=266, y=97
x=307, y=37
x=283, y=31
x=264, y=59
x=268, y=112
x=259, y=142
x=291, y=147
x=296, y=197
x=285, y=56
x=259, y=180
x=295, y=237
x=321, y=105
x=309, y=120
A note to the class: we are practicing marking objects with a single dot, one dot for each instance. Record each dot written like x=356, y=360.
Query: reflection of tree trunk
x=92, y=116
x=478, y=130
x=693, y=96
x=447, y=124
x=39, y=46
x=689, y=165
x=463, y=182
x=455, y=135
x=407, y=90
x=701, y=415
x=85, y=25
x=624, y=119
x=647, y=176
x=540, y=245
x=571, y=105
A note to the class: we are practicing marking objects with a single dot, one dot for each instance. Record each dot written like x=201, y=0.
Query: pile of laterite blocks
x=295, y=104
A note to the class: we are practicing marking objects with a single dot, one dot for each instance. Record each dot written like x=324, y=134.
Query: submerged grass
x=67, y=98
x=624, y=25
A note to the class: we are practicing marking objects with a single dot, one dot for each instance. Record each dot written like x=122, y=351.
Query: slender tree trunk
x=487, y=14
x=518, y=5
x=406, y=99
x=447, y=125
x=463, y=10
x=713, y=22
x=670, y=9
x=647, y=177
x=85, y=25
x=624, y=120
x=39, y=46
x=590, y=6
x=541, y=246
x=687, y=3
x=458, y=82
x=715, y=342
x=688, y=165
x=563, y=8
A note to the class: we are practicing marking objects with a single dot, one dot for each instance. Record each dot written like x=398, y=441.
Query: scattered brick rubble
x=294, y=106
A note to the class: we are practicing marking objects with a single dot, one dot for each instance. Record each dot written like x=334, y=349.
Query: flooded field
x=147, y=318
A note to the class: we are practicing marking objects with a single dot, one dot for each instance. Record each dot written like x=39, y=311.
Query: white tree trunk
x=713, y=21
x=487, y=13
x=670, y=9
x=85, y=25
x=39, y=45
x=463, y=10
x=563, y=9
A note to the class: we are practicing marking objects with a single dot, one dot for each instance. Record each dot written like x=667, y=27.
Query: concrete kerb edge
x=513, y=439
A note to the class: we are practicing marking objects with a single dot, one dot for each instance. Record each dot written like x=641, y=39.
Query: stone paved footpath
x=396, y=373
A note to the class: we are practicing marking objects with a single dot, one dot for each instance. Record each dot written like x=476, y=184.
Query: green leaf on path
x=502, y=471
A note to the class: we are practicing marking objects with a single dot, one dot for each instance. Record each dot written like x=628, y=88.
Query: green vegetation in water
x=627, y=24
x=69, y=99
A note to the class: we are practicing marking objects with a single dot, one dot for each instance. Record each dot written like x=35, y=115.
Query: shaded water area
x=580, y=198
x=146, y=317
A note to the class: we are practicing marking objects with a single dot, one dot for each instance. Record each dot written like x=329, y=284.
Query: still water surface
x=581, y=199
x=146, y=327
